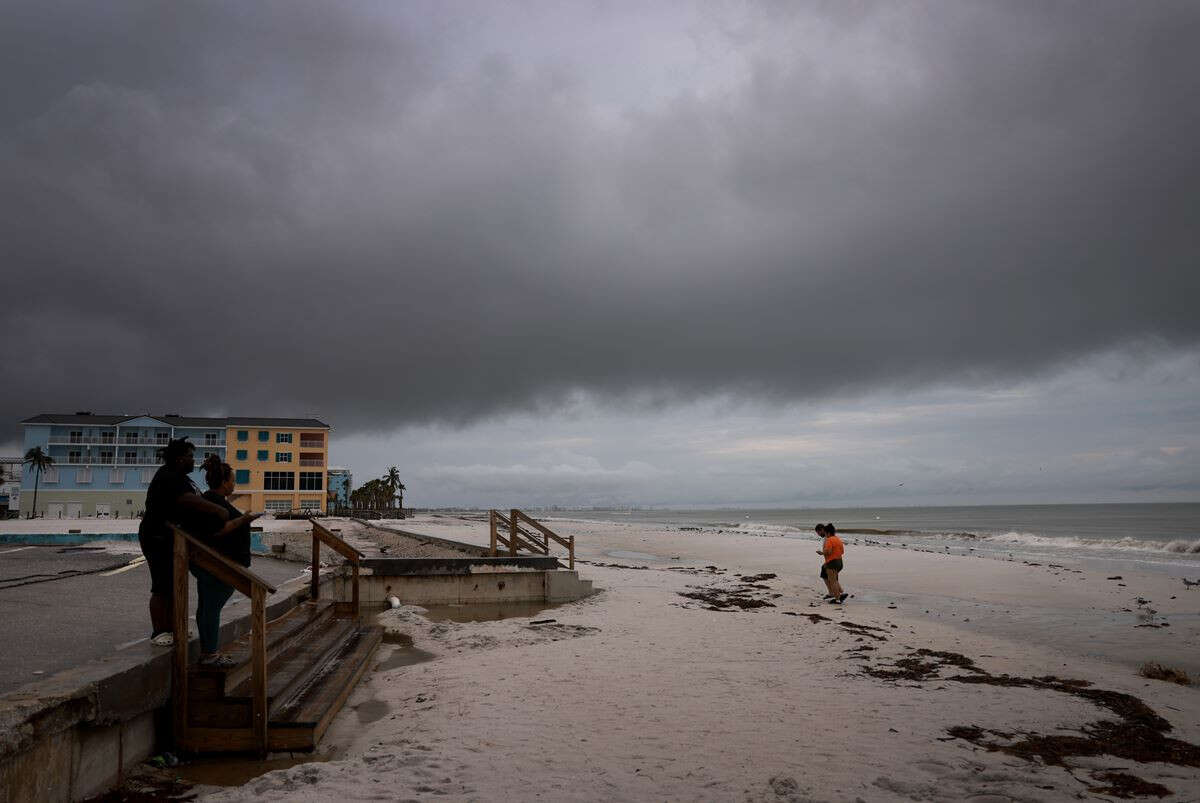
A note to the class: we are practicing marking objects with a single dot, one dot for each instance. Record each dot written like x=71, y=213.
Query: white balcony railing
x=311, y=444
x=308, y=461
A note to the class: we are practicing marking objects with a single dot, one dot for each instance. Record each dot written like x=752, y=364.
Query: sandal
x=217, y=661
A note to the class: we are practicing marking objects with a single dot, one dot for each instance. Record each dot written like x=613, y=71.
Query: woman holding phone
x=232, y=539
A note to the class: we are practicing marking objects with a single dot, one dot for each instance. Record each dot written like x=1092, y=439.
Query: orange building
x=279, y=464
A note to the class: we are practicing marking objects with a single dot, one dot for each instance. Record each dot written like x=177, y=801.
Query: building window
x=74, y=456
x=243, y=434
x=283, y=457
x=310, y=504
x=241, y=454
x=279, y=481
x=278, y=505
x=108, y=437
x=131, y=437
x=283, y=437
x=131, y=458
x=314, y=440
x=243, y=476
x=263, y=435
x=106, y=456
x=264, y=455
x=210, y=439
x=162, y=438
x=310, y=480
x=116, y=477
x=76, y=436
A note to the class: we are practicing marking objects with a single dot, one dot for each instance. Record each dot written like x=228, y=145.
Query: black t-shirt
x=162, y=505
x=235, y=545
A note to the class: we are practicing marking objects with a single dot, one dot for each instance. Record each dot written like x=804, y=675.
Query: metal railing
x=521, y=537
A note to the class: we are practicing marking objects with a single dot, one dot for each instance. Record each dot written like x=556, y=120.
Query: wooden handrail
x=189, y=550
x=519, y=537
x=322, y=534
x=331, y=539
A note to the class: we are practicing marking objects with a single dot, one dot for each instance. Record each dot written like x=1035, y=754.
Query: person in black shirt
x=171, y=498
x=231, y=538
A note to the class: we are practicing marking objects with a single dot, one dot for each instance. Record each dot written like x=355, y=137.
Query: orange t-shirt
x=834, y=548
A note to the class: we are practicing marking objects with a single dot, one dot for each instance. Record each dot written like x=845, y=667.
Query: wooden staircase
x=289, y=676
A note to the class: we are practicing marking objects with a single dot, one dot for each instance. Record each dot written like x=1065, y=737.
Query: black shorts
x=835, y=564
x=160, y=557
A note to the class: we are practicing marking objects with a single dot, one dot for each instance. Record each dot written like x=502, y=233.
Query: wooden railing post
x=492, y=529
x=572, y=553
x=315, y=580
x=512, y=532
x=179, y=669
x=258, y=664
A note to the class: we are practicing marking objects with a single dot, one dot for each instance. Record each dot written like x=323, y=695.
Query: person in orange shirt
x=831, y=551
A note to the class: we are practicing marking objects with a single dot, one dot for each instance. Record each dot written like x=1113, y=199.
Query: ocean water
x=1154, y=537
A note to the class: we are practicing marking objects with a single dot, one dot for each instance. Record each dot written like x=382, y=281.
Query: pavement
x=63, y=606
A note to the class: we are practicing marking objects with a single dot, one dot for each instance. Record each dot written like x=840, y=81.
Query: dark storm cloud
x=358, y=211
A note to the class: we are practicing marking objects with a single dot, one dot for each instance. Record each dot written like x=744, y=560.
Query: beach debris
x=1156, y=671
x=1138, y=736
x=543, y=621
x=1115, y=577
x=1190, y=583
x=718, y=599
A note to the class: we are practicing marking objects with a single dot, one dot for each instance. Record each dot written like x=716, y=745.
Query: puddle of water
x=234, y=771
x=486, y=611
x=371, y=711
x=629, y=554
x=404, y=656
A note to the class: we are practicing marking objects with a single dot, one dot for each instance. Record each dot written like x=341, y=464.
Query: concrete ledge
x=399, y=567
x=72, y=735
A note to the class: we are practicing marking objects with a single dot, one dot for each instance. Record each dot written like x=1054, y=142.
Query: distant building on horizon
x=341, y=481
x=10, y=486
x=104, y=463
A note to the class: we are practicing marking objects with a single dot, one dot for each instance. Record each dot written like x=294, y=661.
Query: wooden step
x=282, y=634
x=302, y=721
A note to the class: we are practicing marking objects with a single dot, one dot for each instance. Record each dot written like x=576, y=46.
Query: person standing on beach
x=172, y=497
x=831, y=551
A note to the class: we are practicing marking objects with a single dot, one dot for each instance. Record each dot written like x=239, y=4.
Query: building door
x=74, y=509
x=54, y=510
x=103, y=511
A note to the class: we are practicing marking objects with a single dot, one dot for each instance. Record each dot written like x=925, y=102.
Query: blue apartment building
x=104, y=463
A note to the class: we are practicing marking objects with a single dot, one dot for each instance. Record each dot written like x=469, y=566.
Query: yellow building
x=279, y=464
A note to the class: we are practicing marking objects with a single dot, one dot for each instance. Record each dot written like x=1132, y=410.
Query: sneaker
x=842, y=598
x=835, y=601
x=164, y=639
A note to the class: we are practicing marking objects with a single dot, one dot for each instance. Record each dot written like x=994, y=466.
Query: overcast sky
x=623, y=253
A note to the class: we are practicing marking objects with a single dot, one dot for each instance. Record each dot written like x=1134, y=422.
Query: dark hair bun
x=829, y=528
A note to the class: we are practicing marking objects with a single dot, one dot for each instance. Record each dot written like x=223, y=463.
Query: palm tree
x=395, y=488
x=37, y=461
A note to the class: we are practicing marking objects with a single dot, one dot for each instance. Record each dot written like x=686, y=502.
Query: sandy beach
x=693, y=675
